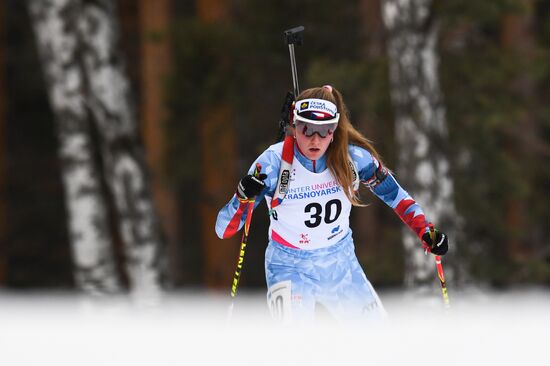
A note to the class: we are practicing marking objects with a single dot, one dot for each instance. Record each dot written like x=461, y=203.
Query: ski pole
x=440, y=273
x=294, y=36
x=244, y=241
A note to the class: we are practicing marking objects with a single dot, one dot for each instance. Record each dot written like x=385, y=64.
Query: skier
x=310, y=256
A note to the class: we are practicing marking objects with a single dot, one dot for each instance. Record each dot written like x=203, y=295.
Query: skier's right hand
x=250, y=186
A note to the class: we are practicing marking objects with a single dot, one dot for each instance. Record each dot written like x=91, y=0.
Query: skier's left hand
x=441, y=245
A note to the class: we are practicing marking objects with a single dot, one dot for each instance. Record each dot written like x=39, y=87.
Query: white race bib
x=314, y=213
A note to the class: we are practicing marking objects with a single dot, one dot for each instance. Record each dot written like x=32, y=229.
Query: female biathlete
x=310, y=256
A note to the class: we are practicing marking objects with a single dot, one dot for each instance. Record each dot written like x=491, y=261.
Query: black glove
x=441, y=245
x=250, y=186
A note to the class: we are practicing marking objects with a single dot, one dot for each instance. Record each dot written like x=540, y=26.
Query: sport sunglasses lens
x=309, y=129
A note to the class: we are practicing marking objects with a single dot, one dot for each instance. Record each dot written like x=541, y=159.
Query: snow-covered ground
x=481, y=328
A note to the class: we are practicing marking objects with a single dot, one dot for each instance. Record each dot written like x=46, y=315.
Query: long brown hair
x=345, y=134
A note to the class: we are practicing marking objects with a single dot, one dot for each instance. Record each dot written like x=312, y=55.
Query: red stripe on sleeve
x=233, y=226
x=416, y=223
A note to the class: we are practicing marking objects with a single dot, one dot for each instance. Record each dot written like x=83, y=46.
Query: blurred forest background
x=207, y=81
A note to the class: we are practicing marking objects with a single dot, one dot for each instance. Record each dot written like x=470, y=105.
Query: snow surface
x=481, y=328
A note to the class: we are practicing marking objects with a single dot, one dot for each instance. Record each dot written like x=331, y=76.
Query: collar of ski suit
x=291, y=151
x=315, y=166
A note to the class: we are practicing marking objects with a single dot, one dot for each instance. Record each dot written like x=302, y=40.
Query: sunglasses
x=310, y=129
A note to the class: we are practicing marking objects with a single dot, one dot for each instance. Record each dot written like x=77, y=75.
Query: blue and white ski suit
x=303, y=264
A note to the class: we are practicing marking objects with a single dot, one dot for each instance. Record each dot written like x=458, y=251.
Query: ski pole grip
x=432, y=233
x=257, y=170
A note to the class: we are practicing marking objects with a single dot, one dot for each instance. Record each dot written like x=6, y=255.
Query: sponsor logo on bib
x=337, y=230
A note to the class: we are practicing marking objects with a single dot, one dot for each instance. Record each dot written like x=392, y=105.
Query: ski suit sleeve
x=232, y=216
x=383, y=184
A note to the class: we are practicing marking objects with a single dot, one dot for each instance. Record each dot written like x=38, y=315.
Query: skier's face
x=313, y=147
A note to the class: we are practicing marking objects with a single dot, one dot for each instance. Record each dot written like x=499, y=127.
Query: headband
x=318, y=111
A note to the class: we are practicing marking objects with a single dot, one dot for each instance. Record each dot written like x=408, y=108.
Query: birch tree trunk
x=54, y=23
x=421, y=129
x=108, y=96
